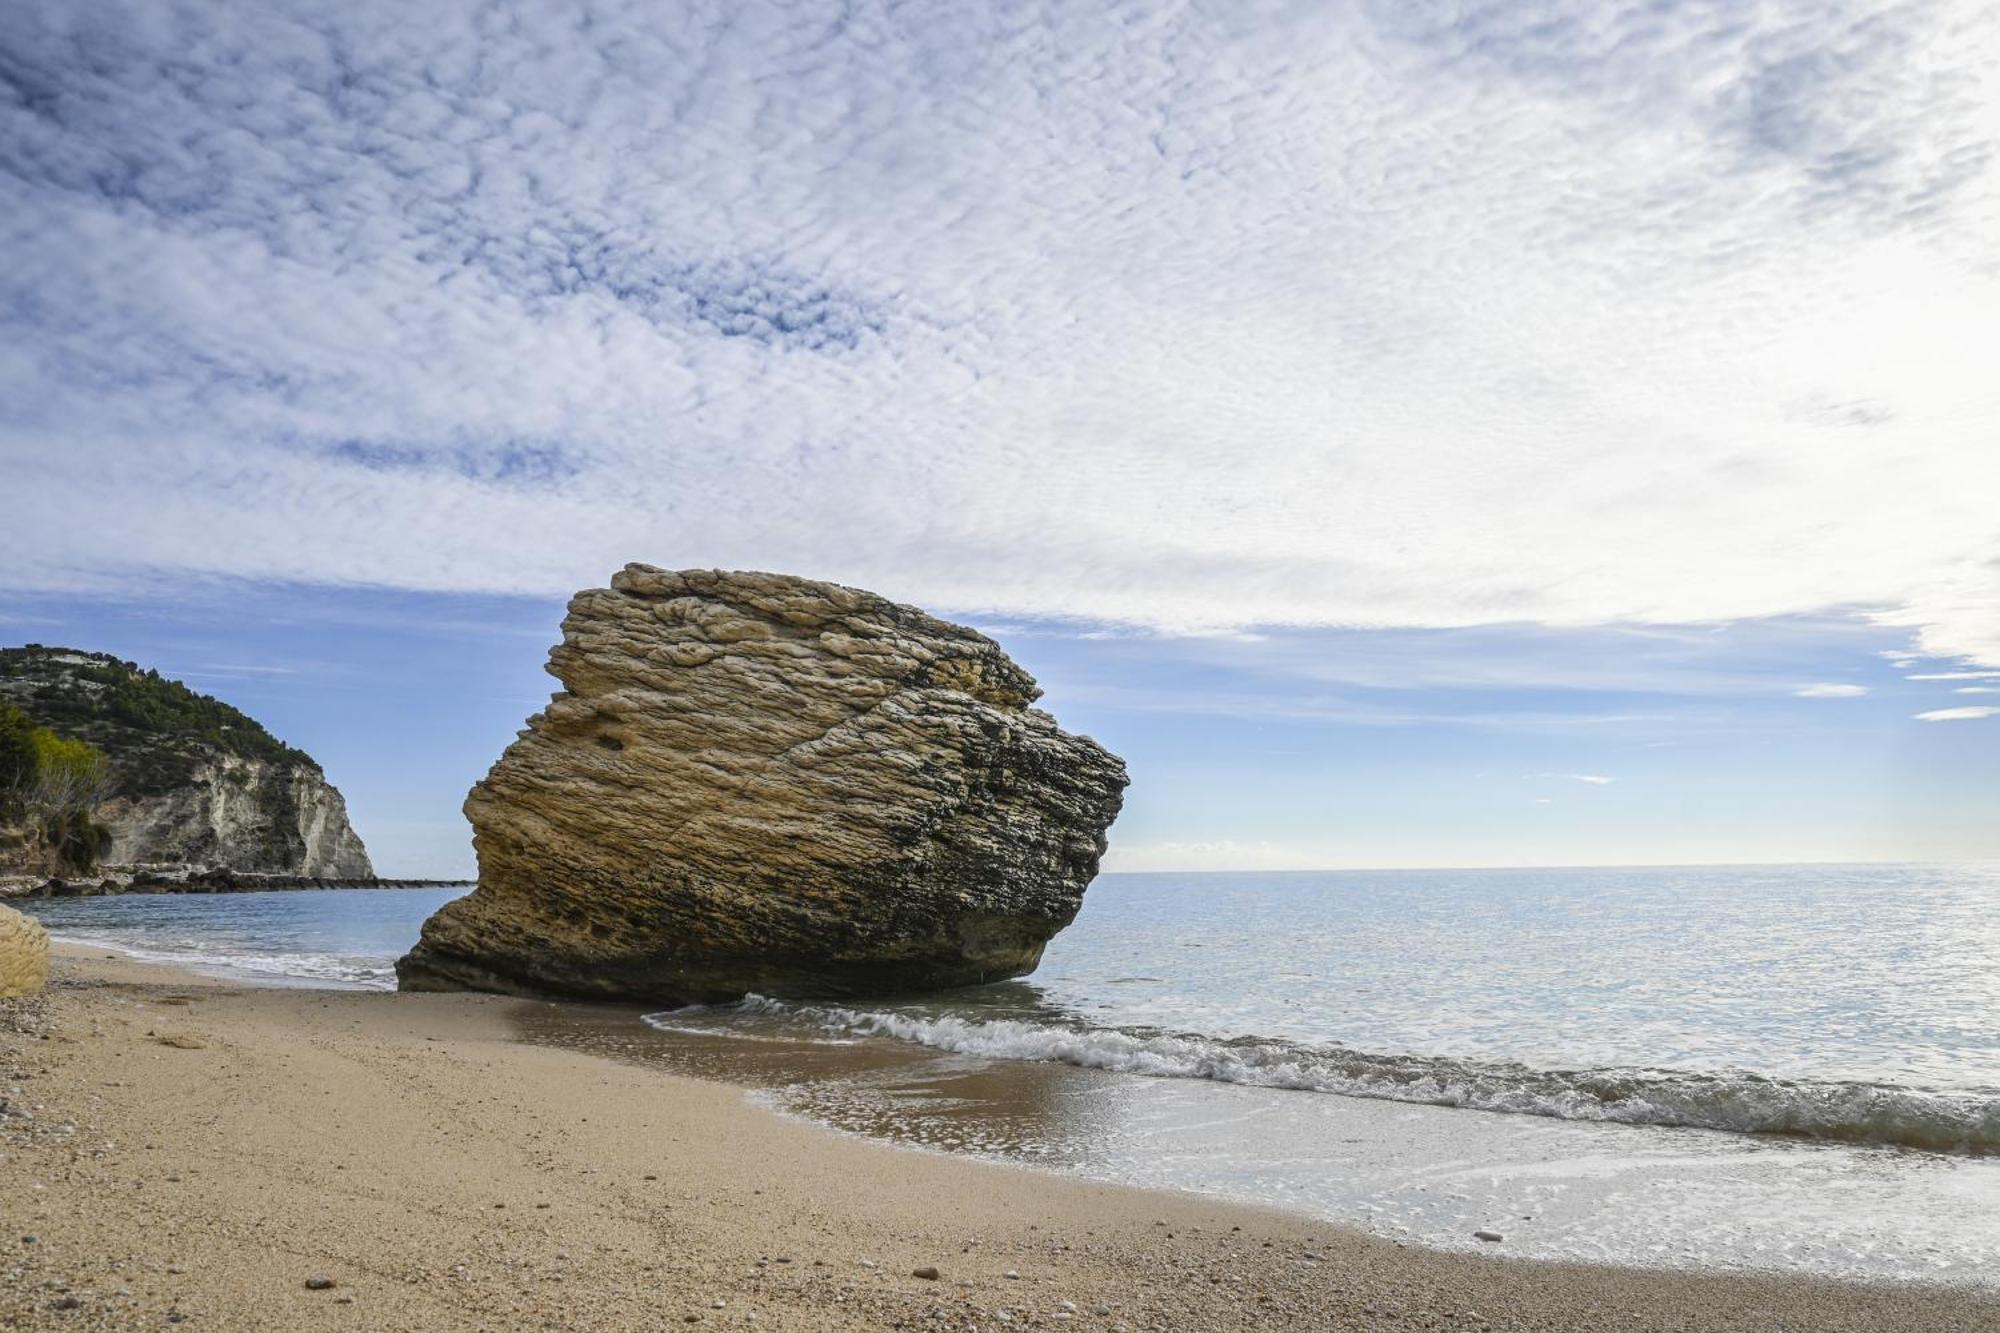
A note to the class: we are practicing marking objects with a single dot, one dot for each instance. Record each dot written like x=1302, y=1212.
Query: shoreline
x=227, y=1142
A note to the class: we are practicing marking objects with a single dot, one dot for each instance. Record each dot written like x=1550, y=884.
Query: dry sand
x=195, y=1152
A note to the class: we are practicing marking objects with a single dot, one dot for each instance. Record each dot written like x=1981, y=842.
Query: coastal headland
x=179, y=1151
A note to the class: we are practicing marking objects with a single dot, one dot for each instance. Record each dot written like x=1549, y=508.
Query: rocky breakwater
x=24, y=954
x=110, y=881
x=760, y=783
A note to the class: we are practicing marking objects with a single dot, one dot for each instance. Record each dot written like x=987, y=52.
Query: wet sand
x=195, y=1152
x=1558, y=1190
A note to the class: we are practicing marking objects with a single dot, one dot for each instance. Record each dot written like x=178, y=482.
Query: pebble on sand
x=1487, y=1236
x=927, y=1273
x=318, y=1283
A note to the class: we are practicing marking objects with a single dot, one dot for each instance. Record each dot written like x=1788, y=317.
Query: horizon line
x=1564, y=865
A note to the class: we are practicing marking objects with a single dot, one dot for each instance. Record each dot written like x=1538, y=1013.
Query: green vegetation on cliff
x=50, y=786
x=17, y=749
x=154, y=730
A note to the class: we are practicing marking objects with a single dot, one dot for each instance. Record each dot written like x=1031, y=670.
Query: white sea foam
x=276, y=968
x=1963, y=1121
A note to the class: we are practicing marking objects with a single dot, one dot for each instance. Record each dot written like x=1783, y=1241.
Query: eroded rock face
x=24, y=954
x=761, y=783
x=241, y=814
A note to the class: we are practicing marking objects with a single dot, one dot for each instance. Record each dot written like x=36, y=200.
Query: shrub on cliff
x=68, y=774
x=53, y=784
x=17, y=754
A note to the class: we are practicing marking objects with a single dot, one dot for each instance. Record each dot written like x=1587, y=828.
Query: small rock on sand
x=318, y=1283
x=1487, y=1236
x=927, y=1273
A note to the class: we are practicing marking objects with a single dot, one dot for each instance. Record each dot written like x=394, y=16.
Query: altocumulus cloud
x=1189, y=316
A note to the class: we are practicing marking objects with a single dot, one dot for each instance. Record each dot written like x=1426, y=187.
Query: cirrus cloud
x=1559, y=312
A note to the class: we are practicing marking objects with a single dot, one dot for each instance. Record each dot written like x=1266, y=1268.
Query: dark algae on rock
x=753, y=782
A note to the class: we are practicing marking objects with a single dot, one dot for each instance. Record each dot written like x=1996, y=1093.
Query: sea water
x=1855, y=1003
x=1771, y=1067
x=345, y=938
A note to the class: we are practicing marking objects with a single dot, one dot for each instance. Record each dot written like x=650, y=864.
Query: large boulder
x=759, y=783
x=24, y=954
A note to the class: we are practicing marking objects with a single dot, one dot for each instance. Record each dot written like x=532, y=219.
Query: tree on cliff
x=17, y=753
x=53, y=785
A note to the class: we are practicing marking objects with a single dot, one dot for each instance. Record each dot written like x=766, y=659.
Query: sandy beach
x=181, y=1151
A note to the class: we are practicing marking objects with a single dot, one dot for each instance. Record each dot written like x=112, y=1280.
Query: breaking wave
x=1965, y=1122
x=269, y=966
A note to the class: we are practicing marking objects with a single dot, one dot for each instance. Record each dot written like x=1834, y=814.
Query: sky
x=1411, y=433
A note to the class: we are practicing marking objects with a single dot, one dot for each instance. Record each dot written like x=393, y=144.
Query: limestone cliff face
x=24, y=954
x=197, y=782
x=240, y=814
x=760, y=783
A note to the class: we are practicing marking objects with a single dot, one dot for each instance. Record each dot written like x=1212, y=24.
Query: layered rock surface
x=753, y=782
x=24, y=954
